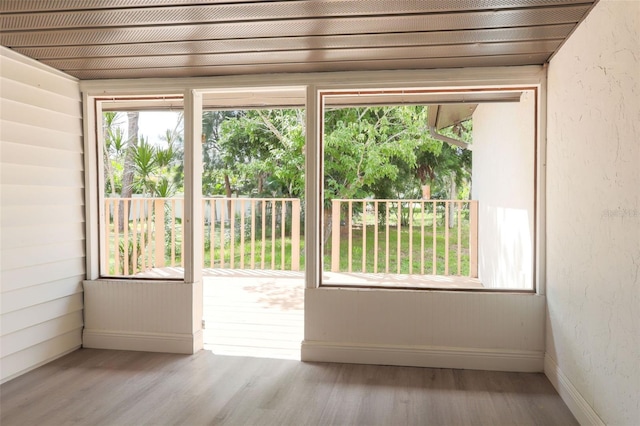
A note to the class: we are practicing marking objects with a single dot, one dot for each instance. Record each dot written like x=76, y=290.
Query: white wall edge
x=93, y=198
x=424, y=356
x=540, y=253
x=40, y=364
x=581, y=409
x=144, y=342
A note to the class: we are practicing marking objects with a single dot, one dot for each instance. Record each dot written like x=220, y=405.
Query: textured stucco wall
x=593, y=211
x=503, y=183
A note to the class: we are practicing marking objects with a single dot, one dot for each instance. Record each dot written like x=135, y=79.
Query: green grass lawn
x=273, y=251
x=404, y=252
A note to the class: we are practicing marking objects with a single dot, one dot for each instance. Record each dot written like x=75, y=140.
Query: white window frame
x=192, y=88
x=535, y=89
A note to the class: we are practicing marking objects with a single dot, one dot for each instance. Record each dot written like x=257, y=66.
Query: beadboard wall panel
x=153, y=315
x=41, y=215
x=487, y=331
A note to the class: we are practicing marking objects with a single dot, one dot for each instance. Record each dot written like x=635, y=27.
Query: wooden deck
x=254, y=313
x=260, y=313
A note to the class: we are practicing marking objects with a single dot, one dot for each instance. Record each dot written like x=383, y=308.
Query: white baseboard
x=424, y=356
x=145, y=342
x=581, y=409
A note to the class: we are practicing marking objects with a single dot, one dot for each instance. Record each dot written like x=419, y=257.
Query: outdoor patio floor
x=260, y=313
x=254, y=313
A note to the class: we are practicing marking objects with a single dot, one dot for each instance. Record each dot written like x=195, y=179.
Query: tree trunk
x=108, y=171
x=260, y=183
x=426, y=192
x=328, y=225
x=452, y=196
x=227, y=190
x=128, y=171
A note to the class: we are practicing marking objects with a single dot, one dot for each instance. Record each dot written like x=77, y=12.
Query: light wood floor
x=101, y=387
x=254, y=315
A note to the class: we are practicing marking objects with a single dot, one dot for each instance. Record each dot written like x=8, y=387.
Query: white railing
x=248, y=231
x=438, y=237
x=238, y=233
x=135, y=234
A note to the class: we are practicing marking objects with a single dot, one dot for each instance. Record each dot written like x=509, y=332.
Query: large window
x=253, y=188
x=428, y=189
x=417, y=188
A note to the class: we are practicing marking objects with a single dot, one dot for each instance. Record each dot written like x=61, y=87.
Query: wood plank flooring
x=254, y=315
x=101, y=387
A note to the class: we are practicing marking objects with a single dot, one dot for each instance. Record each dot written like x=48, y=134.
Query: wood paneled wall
x=42, y=250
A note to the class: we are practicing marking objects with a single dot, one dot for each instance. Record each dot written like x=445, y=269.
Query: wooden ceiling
x=104, y=39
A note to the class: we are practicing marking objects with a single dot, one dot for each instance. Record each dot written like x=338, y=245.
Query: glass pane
x=408, y=203
x=397, y=207
x=143, y=188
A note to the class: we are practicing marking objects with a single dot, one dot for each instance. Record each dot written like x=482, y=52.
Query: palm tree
x=129, y=166
x=113, y=145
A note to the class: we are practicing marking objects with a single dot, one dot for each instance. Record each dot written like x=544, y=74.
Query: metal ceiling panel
x=318, y=55
x=96, y=39
x=545, y=32
x=242, y=12
x=21, y=6
x=299, y=27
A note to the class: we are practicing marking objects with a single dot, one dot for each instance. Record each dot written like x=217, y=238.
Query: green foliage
x=164, y=188
x=140, y=247
x=258, y=152
x=381, y=152
x=144, y=158
x=157, y=169
x=373, y=150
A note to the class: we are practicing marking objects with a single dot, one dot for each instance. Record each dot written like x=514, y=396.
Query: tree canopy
x=369, y=151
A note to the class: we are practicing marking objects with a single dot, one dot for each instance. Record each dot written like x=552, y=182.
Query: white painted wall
x=593, y=217
x=153, y=316
x=42, y=215
x=503, y=183
x=427, y=328
x=487, y=331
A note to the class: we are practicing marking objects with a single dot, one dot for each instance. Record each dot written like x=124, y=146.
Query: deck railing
x=254, y=233
x=145, y=233
x=438, y=237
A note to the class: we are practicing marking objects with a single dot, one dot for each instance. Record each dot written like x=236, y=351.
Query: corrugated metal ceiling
x=97, y=39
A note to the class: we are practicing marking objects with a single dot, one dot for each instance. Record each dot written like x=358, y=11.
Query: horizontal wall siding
x=42, y=249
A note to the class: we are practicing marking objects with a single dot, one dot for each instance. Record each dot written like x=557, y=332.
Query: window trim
x=328, y=92
x=462, y=78
x=97, y=184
